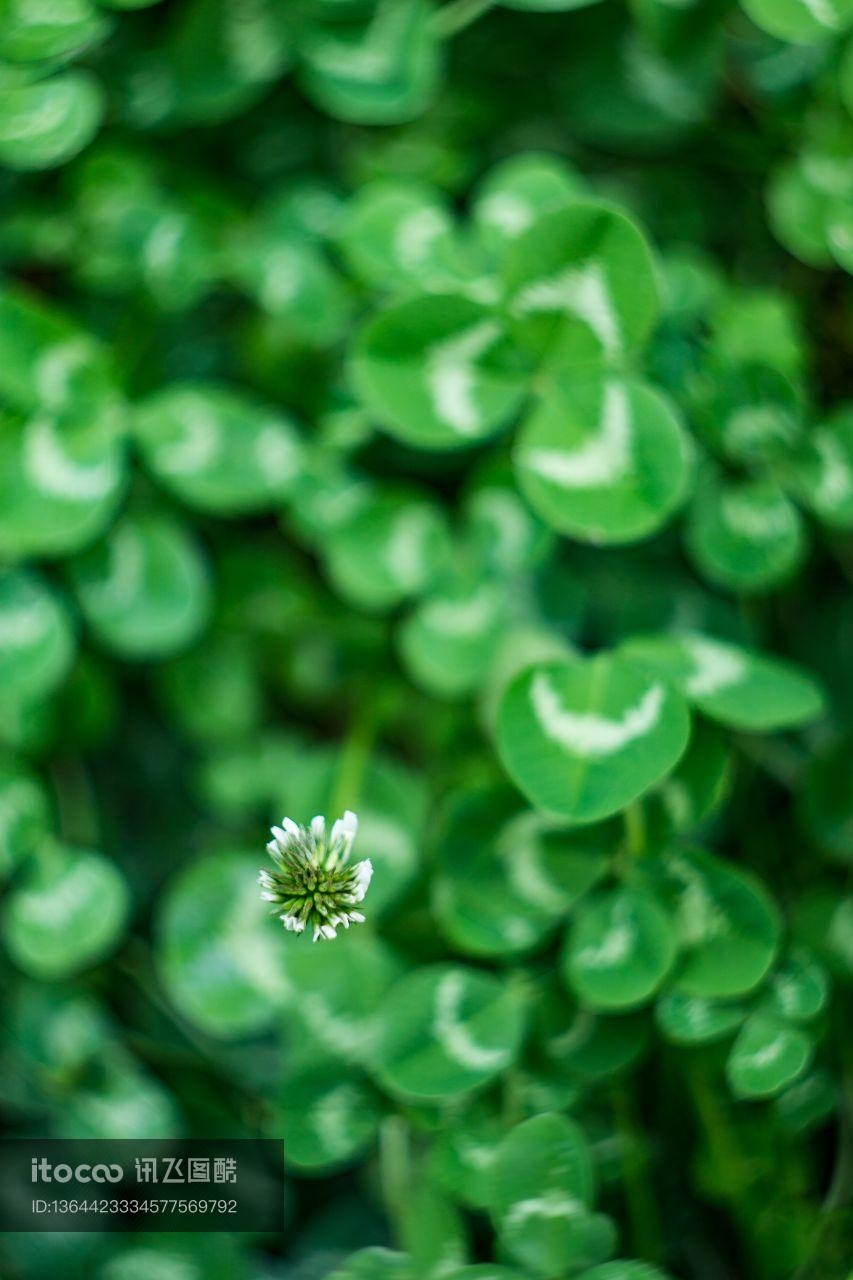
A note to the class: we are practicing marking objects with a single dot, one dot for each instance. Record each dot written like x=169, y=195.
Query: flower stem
x=354, y=757
x=458, y=14
x=395, y=1171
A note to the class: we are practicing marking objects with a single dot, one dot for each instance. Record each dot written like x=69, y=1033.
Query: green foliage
x=436, y=409
x=585, y=738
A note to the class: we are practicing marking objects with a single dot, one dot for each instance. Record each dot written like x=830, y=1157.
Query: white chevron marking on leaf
x=454, y=1037
x=759, y=523
x=589, y=735
x=348, y=1035
x=583, y=292
x=450, y=376
x=577, y=1034
x=824, y=12
x=161, y=247
x=506, y=211
x=283, y=278
x=613, y=948
x=252, y=41
x=767, y=1054
x=654, y=79
x=603, y=459
x=23, y=625
x=462, y=617
x=275, y=453
x=56, y=365
x=519, y=847
x=416, y=235
x=405, y=556
x=333, y=1117
x=529, y=878
x=836, y=479
x=700, y=917
x=376, y=57
x=52, y=470
x=553, y=1204
x=716, y=666
x=122, y=579
x=43, y=114
x=198, y=443
x=510, y=522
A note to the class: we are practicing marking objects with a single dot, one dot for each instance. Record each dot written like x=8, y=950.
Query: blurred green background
x=226, y=574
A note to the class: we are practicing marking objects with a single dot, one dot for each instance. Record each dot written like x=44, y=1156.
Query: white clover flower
x=313, y=885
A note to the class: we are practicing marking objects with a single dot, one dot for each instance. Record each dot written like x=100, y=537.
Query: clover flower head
x=314, y=886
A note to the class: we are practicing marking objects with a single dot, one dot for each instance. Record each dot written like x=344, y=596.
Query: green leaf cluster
x=438, y=409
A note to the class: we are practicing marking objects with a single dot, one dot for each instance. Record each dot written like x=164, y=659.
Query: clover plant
x=435, y=411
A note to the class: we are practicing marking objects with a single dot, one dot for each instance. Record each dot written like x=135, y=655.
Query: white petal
x=327, y=931
x=350, y=823
x=318, y=827
x=344, y=833
x=338, y=832
x=363, y=876
x=356, y=917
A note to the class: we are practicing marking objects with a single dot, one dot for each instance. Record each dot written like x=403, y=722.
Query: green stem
x=395, y=1172
x=48, y=856
x=635, y=829
x=734, y=1170
x=718, y=1133
x=135, y=963
x=458, y=14
x=513, y=1103
x=76, y=803
x=785, y=762
x=639, y=1197
x=834, y=1213
x=354, y=757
